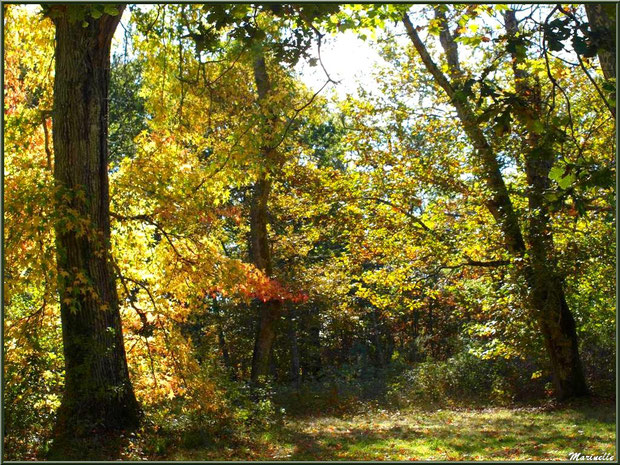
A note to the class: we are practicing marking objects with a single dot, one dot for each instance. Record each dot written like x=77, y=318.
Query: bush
x=466, y=379
x=599, y=361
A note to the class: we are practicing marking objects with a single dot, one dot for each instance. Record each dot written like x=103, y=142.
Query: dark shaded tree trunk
x=414, y=354
x=310, y=351
x=313, y=344
x=547, y=297
x=98, y=392
x=431, y=329
x=221, y=338
x=273, y=365
x=603, y=26
x=545, y=290
x=376, y=333
x=292, y=334
x=223, y=345
x=260, y=253
x=223, y=348
x=390, y=344
x=269, y=312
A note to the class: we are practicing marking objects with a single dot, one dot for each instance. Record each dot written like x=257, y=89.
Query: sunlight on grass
x=494, y=433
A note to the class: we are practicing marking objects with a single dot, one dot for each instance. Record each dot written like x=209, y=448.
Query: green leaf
x=536, y=126
x=502, y=124
x=556, y=173
x=609, y=86
x=96, y=13
x=583, y=48
x=110, y=10
x=566, y=181
x=555, y=45
x=559, y=174
x=552, y=196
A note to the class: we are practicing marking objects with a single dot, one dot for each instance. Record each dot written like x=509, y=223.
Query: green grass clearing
x=455, y=434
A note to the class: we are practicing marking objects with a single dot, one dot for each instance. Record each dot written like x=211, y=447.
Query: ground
x=524, y=433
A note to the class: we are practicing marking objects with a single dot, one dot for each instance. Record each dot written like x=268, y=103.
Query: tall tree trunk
x=376, y=333
x=499, y=203
x=224, y=349
x=273, y=365
x=310, y=350
x=292, y=334
x=414, y=356
x=431, y=330
x=260, y=253
x=314, y=362
x=546, y=296
x=98, y=392
x=602, y=19
x=221, y=338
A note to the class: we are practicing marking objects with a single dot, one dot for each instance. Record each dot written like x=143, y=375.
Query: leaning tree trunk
x=98, y=392
x=546, y=294
x=260, y=253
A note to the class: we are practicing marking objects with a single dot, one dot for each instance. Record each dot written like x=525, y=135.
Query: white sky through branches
x=348, y=60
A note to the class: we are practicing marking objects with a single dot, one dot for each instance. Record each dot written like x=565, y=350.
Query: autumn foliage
x=395, y=273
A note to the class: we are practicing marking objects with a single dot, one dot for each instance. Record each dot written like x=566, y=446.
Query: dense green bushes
x=466, y=379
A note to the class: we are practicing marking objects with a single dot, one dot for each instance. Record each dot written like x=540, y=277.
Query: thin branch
x=148, y=219
x=225, y=162
x=46, y=137
x=598, y=89
x=297, y=112
x=401, y=210
x=554, y=82
x=145, y=324
x=174, y=359
x=477, y=263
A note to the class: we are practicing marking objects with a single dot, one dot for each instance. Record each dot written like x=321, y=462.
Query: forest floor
x=525, y=433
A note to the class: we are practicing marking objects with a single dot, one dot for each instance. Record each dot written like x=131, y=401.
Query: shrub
x=465, y=379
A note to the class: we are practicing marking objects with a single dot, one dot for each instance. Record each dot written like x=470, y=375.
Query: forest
x=313, y=231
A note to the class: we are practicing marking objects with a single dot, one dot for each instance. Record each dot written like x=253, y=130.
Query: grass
x=534, y=433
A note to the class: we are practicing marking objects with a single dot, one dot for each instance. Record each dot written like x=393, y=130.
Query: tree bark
x=376, y=333
x=545, y=291
x=224, y=349
x=431, y=330
x=603, y=27
x=499, y=203
x=292, y=334
x=314, y=362
x=98, y=392
x=547, y=296
x=260, y=253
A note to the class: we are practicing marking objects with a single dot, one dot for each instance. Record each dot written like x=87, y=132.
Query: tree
x=546, y=295
x=32, y=336
x=244, y=21
x=98, y=391
x=603, y=33
x=259, y=247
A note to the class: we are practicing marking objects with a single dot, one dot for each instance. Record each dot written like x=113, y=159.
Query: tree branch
x=148, y=219
x=400, y=210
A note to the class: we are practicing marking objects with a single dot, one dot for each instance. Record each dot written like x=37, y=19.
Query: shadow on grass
x=100, y=446
x=421, y=443
x=500, y=434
